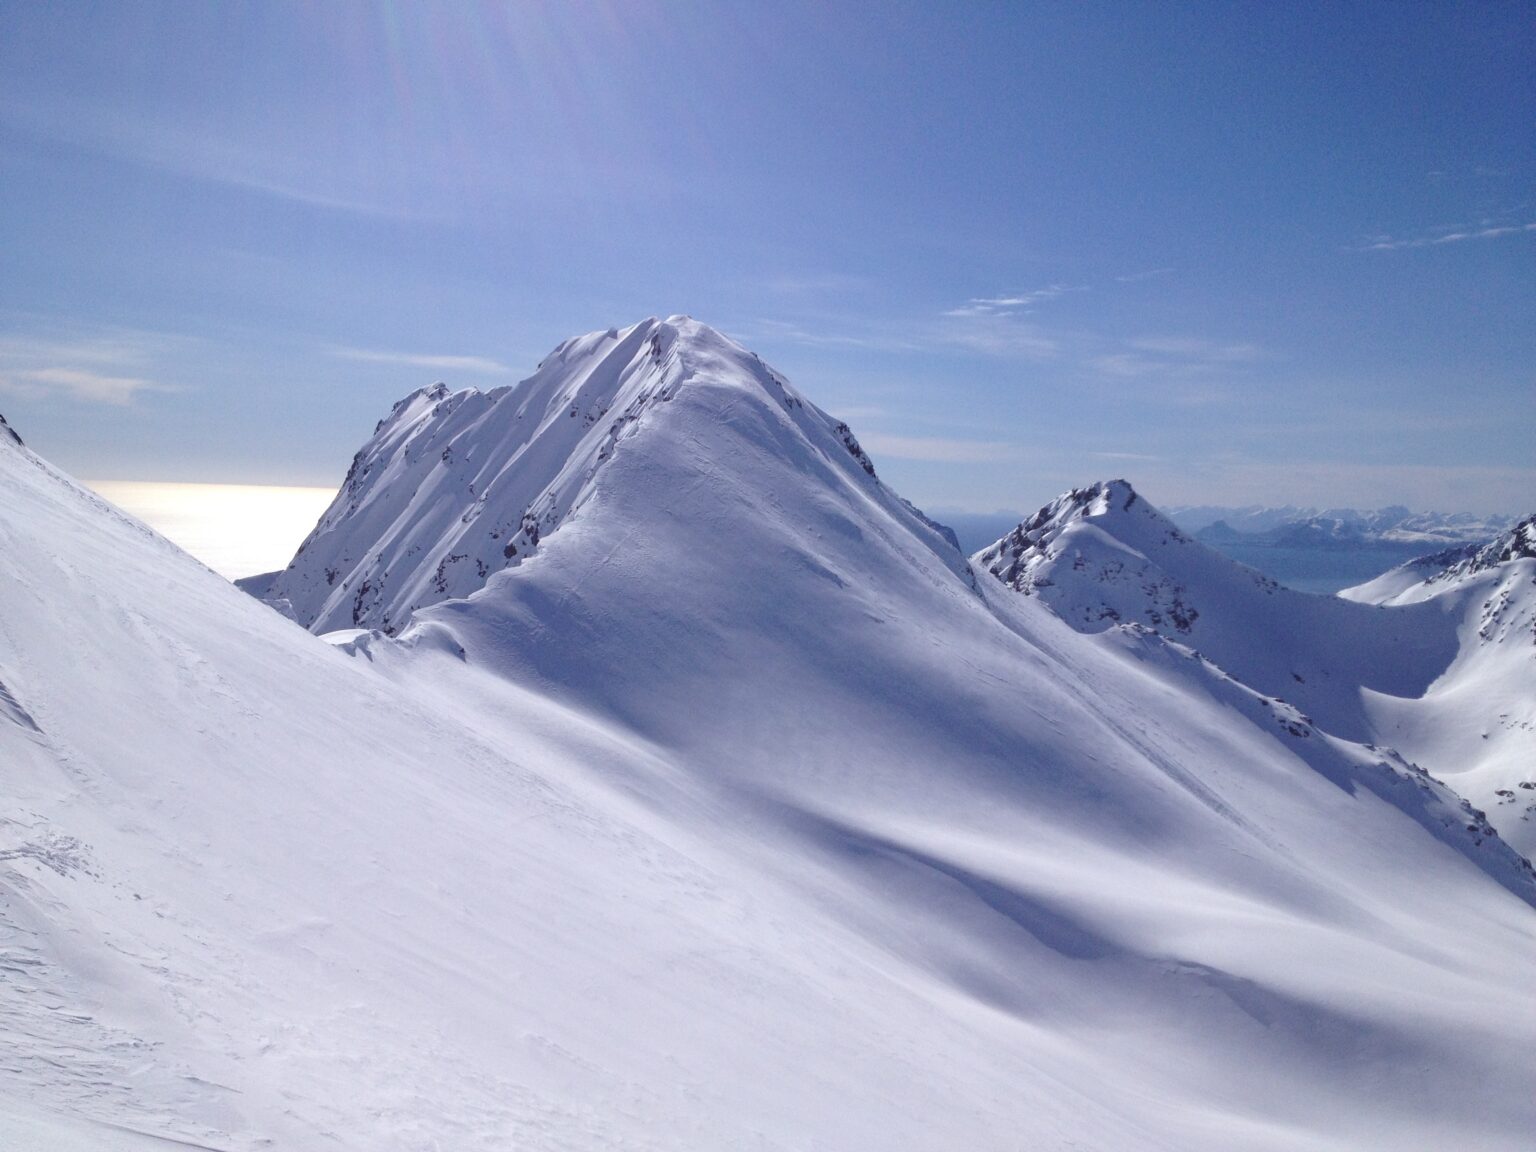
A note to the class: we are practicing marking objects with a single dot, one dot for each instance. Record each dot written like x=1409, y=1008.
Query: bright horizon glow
x=1234, y=253
x=236, y=529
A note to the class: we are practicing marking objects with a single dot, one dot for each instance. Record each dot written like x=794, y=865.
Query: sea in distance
x=236, y=529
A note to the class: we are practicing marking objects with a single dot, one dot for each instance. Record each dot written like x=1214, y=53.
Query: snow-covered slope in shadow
x=738, y=816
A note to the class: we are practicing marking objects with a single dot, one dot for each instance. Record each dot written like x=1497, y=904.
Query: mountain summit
x=454, y=487
x=1105, y=526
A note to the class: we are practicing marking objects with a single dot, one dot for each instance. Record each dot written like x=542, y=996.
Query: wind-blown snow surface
x=739, y=816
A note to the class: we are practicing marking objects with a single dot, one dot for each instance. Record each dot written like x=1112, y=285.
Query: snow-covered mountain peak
x=1101, y=556
x=8, y=434
x=414, y=403
x=454, y=487
x=1104, y=498
x=1107, y=517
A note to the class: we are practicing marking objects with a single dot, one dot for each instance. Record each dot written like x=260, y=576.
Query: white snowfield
x=735, y=812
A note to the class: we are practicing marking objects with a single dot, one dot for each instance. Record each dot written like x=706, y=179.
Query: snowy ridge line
x=1519, y=543
x=84, y=495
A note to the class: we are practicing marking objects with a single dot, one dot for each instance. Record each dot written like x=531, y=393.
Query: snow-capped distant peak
x=1293, y=527
x=1101, y=556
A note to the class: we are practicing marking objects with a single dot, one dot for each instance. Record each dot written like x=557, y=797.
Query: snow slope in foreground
x=736, y=818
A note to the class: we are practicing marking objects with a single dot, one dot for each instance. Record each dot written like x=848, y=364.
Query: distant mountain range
x=1328, y=549
x=1293, y=527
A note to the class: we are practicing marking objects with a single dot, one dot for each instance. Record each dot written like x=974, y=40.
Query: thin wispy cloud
x=117, y=347
x=936, y=448
x=186, y=148
x=874, y=341
x=112, y=368
x=1208, y=351
x=1005, y=305
x=1002, y=326
x=306, y=196
x=1123, y=364
x=991, y=333
x=1005, y=335
x=1476, y=172
x=1138, y=277
x=480, y=365
x=78, y=384
x=1484, y=231
x=1174, y=357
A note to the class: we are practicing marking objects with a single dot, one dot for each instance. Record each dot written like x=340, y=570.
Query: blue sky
x=1237, y=253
